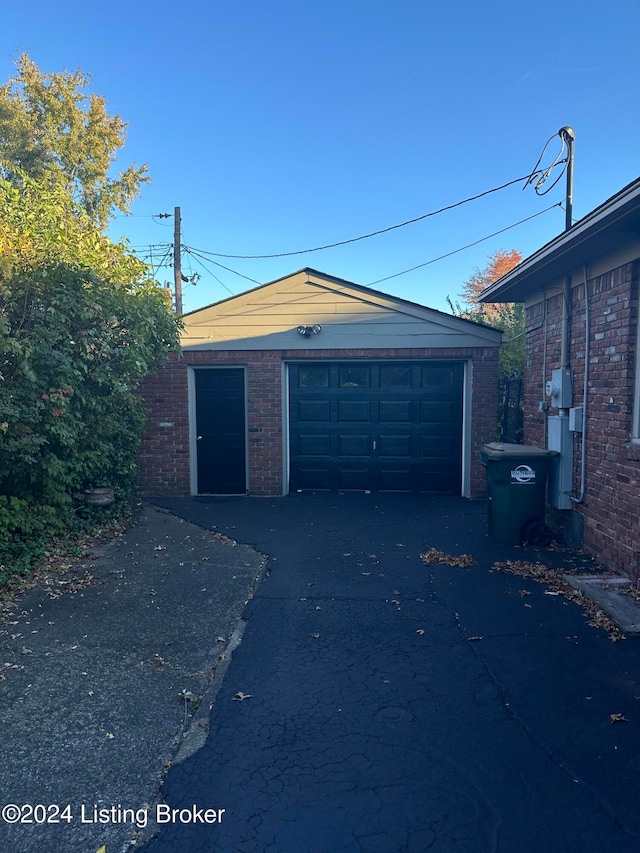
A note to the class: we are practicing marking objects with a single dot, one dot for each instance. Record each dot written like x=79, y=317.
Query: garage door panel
x=354, y=445
x=436, y=411
x=376, y=426
x=354, y=411
x=314, y=411
x=315, y=479
x=314, y=445
x=436, y=445
x=395, y=479
x=394, y=445
x=354, y=477
x=394, y=411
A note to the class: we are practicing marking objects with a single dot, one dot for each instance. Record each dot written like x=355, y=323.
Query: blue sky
x=279, y=125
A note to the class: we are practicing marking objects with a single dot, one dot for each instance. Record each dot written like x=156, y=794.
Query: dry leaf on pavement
x=240, y=696
x=432, y=555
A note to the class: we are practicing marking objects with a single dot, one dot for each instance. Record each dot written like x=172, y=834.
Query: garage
x=376, y=426
x=312, y=382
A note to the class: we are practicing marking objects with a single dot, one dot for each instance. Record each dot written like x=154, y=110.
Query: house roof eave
x=599, y=233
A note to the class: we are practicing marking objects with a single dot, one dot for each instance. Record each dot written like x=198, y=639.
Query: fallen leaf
x=240, y=696
x=434, y=556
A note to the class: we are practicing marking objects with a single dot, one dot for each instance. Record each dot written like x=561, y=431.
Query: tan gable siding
x=268, y=318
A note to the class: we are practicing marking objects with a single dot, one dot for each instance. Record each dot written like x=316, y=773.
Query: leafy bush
x=73, y=349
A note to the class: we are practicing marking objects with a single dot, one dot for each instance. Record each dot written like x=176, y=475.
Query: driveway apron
x=378, y=704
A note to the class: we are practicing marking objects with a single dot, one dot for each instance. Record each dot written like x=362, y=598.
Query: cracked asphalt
x=398, y=707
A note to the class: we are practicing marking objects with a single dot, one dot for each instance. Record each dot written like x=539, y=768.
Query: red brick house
x=582, y=375
x=312, y=382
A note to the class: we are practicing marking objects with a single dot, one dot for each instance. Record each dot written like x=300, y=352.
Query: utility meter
x=559, y=388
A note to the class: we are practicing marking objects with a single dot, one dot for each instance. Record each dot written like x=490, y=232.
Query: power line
x=198, y=260
x=468, y=246
x=373, y=233
x=196, y=253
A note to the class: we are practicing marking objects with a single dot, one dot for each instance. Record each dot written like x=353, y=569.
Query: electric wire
x=196, y=253
x=468, y=246
x=372, y=233
x=157, y=265
x=200, y=261
x=544, y=173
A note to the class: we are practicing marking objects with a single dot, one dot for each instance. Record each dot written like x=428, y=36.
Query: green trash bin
x=517, y=487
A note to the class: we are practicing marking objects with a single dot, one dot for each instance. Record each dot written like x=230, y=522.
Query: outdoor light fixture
x=307, y=331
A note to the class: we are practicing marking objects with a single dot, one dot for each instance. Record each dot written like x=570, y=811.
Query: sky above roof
x=279, y=125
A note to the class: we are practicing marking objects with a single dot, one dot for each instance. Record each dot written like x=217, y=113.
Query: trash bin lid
x=501, y=450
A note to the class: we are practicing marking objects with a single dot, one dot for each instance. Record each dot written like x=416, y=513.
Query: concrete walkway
x=92, y=667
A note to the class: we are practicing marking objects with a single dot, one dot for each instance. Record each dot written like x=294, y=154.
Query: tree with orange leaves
x=507, y=316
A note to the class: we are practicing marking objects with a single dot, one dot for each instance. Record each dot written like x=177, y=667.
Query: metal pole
x=177, y=268
x=568, y=136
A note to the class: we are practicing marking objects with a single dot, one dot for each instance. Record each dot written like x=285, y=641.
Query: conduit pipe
x=585, y=391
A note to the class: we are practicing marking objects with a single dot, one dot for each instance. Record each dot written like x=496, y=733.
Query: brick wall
x=164, y=465
x=611, y=506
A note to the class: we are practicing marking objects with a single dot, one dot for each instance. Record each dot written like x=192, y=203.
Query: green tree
x=56, y=133
x=80, y=321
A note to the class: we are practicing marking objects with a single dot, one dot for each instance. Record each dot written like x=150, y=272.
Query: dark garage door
x=383, y=426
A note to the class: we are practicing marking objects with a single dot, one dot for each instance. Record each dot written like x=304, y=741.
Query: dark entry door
x=382, y=426
x=220, y=431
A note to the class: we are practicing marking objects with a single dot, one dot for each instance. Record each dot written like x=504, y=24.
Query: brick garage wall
x=611, y=505
x=164, y=463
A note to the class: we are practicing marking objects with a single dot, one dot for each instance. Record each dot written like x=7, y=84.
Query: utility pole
x=568, y=136
x=177, y=268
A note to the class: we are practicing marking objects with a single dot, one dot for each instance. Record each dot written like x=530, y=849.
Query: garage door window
x=355, y=377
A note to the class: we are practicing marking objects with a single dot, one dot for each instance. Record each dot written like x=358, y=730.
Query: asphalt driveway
x=379, y=704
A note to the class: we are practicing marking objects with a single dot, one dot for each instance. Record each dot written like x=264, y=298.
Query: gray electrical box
x=561, y=472
x=575, y=419
x=559, y=389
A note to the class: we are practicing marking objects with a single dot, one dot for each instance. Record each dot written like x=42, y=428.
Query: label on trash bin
x=523, y=474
